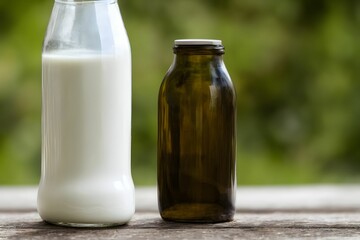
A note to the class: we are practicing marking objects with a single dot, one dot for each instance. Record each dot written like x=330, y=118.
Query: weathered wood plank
x=150, y=226
x=301, y=212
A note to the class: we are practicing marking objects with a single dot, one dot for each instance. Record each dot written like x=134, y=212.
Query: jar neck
x=197, y=60
x=198, y=56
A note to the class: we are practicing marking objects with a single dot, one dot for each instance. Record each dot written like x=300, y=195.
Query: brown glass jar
x=196, y=135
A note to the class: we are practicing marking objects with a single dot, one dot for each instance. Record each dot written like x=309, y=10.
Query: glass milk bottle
x=196, y=135
x=86, y=116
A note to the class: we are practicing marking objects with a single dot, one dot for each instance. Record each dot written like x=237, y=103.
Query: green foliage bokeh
x=295, y=65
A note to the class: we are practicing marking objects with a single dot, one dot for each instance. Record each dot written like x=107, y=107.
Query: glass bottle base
x=197, y=213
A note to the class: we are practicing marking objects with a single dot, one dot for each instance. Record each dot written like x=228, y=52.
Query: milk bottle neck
x=86, y=25
x=85, y=1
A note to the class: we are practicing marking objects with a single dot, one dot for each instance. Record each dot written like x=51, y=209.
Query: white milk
x=86, y=176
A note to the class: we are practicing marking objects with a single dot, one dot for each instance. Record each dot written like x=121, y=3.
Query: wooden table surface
x=297, y=212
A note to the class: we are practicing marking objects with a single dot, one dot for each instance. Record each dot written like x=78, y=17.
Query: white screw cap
x=197, y=42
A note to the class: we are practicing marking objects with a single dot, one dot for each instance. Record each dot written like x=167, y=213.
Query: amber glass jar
x=196, y=135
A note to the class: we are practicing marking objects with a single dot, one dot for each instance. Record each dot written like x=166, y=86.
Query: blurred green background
x=295, y=65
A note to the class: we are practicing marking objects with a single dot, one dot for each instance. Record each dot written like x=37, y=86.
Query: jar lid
x=197, y=42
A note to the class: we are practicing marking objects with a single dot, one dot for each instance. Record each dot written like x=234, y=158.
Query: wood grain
x=309, y=212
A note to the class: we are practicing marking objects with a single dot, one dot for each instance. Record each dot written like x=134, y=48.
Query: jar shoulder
x=183, y=78
x=179, y=86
